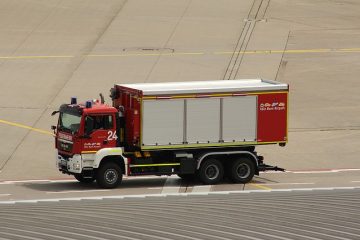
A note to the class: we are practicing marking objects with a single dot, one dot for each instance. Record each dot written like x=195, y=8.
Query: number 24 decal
x=112, y=135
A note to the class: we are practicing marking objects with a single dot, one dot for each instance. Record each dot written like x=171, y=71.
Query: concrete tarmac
x=52, y=50
x=320, y=214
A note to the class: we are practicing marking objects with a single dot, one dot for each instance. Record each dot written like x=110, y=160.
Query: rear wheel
x=109, y=175
x=241, y=170
x=211, y=171
x=81, y=178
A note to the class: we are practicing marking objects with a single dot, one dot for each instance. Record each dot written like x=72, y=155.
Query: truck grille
x=65, y=145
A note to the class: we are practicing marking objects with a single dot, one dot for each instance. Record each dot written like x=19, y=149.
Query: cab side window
x=98, y=122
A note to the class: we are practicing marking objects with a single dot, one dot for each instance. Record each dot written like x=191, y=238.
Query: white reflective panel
x=163, y=122
x=239, y=118
x=203, y=120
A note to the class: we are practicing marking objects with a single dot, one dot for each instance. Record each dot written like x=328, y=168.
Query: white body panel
x=196, y=121
x=239, y=119
x=203, y=120
x=215, y=86
x=163, y=122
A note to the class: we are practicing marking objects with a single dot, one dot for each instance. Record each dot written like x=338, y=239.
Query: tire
x=241, y=170
x=211, y=171
x=81, y=179
x=109, y=175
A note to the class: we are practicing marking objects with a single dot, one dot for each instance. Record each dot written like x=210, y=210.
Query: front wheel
x=81, y=178
x=109, y=175
x=242, y=170
x=211, y=171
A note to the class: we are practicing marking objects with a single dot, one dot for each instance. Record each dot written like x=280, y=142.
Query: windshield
x=69, y=122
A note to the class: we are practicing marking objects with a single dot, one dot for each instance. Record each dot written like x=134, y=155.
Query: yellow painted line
x=26, y=127
x=34, y=57
x=325, y=50
x=139, y=54
x=260, y=186
x=155, y=165
x=276, y=51
x=349, y=49
x=145, y=54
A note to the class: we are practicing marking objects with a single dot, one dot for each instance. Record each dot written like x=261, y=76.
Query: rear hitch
x=264, y=167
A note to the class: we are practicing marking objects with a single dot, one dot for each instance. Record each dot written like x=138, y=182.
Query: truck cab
x=84, y=133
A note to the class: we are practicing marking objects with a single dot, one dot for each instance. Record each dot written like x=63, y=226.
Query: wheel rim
x=111, y=176
x=243, y=170
x=212, y=171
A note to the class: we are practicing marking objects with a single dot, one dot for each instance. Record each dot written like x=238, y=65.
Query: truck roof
x=240, y=85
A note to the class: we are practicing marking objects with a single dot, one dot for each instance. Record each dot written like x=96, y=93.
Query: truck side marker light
x=115, y=150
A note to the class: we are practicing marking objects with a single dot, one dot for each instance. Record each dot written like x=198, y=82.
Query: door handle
x=105, y=142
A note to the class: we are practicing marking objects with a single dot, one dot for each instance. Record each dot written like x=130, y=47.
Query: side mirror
x=53, y=128
x=89, y=125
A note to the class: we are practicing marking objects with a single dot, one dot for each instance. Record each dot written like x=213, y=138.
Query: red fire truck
x=207, y=129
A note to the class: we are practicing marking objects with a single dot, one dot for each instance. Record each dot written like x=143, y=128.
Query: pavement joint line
x=5, y=194
x=176, y=194
x=355, y=181
x=26, y=127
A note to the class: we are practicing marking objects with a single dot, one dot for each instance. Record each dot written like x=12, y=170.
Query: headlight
x=76, y=166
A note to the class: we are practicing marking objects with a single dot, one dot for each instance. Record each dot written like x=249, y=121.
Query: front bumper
x=69, y=165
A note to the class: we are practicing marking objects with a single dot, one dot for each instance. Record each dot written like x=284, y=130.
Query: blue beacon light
x=73, y=100
x=88, y=104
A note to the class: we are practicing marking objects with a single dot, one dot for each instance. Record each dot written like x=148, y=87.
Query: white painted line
x=37, y=181
x=63, y=181
x=164, y=177
x=203, y=188
x=73, y=180
x=84, y=191
x=313, y=172
x=176, y=194
x=327, y=171
x=172, y=185
x=355, y=181
x=23, y=181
